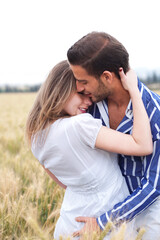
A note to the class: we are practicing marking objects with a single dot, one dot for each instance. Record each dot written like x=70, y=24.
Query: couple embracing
x=95, y=129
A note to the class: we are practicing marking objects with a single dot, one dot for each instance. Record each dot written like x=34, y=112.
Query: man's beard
x=101, y=93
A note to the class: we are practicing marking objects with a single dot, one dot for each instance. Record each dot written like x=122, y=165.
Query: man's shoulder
x=152, y=104
x=151, y=99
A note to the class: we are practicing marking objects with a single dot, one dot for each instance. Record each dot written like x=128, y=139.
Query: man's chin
x=95, y=100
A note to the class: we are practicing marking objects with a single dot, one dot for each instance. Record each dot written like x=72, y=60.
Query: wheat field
x=29, y=199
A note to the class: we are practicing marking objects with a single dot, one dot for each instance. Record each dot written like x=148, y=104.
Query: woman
x=74, y=148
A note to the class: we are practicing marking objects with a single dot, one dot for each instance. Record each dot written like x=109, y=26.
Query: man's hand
x=89, y=228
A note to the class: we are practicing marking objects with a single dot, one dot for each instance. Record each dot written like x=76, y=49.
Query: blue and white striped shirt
x=142, y=174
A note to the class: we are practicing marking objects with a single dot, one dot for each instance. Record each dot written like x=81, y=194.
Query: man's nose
x=80, y=87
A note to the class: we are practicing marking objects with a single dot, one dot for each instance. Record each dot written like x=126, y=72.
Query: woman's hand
x=129, y=80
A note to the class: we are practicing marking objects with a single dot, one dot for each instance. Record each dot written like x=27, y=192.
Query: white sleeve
x=87, y=128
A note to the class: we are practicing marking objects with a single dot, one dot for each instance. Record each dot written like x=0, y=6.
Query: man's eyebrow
x=81, y=80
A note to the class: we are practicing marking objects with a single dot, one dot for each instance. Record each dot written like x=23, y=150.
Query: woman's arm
x=140, y=142
x=54, y=178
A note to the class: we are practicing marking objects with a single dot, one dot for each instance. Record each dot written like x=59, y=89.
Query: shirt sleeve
x=87, y=128
x=142, y=197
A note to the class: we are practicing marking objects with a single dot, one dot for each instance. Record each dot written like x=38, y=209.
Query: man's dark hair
x=97, y=52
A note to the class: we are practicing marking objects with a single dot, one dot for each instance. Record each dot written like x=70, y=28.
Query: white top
x=92, y=176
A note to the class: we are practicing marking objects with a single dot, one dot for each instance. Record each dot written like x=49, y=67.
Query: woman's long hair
x=50, y=100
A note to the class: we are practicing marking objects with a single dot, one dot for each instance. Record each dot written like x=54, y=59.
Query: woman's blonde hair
x=50, y=100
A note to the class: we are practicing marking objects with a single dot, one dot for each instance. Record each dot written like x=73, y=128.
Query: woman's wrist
x=133, y=91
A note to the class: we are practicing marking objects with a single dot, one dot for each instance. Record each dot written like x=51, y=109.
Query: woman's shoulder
x=70, y=128
x=84, y=117
x=82, y=124
x=73, y=120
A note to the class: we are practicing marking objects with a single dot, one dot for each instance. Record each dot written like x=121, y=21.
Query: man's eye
x=81, y=93
x=85, y=82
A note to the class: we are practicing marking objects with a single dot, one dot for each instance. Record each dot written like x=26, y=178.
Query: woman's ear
x=107, y=77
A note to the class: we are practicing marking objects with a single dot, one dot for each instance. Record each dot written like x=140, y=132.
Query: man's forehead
x=80, y=74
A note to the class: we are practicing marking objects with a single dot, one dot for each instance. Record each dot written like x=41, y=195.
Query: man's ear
x=107, y=77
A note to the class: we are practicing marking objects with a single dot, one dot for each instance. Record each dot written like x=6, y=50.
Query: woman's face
x=77, y=104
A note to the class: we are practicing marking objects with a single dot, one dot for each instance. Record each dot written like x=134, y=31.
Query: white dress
x=92, y=176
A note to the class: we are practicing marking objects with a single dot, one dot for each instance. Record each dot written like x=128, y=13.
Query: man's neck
x=117, y=104
x=119, y=98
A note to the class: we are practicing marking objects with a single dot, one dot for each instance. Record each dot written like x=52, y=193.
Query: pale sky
x=36, y=34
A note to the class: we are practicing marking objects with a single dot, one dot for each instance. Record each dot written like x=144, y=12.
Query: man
x=95, y=56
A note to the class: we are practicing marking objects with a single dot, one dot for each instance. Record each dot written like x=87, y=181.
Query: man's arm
x=142, y=197
x=136, y=202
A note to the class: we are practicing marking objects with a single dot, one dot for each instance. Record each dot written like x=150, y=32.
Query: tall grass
x=29, y=200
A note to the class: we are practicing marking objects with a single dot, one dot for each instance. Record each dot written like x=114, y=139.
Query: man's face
x=89, y=85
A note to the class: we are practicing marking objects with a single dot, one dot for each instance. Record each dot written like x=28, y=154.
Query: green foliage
x=150, y=79
x=19, y=89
